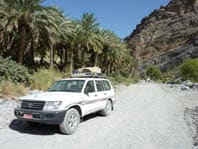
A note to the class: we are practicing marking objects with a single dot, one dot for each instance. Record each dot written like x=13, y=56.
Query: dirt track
x=146, y=117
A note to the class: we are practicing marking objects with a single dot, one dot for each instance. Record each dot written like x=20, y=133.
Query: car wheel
x=108, y=108
x=70, y=122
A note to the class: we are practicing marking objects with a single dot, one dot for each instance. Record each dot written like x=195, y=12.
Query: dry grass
x=9, y=89
x=39, y=80
x=44, y=78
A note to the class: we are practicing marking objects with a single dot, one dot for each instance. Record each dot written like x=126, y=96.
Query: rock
x=190, y=85
x=168, y=36
x=183, y=88
x=194, y=86
x=187, y=82
x=191, y=118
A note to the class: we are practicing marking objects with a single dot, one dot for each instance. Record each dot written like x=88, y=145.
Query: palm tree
x=18, y=17
x=109, y=53
x=67, y=27
x=90, y=37
x=54, y=18
x=74, y=40
x=31, y=23
x=89, y=25
x=34, y=30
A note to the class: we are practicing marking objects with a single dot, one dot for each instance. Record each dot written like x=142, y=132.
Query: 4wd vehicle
x=67, y=101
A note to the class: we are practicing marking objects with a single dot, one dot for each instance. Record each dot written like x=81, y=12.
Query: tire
x=108, y=108
x=70, y=122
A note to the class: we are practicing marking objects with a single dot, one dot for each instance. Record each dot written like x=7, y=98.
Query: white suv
x=66, y=102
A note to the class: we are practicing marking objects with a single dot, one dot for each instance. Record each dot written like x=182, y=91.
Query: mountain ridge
x=168, y=36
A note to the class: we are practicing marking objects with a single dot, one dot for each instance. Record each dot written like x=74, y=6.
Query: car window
x=67, y=86
x=106, y=85
x=99, y=86
x=90, y=88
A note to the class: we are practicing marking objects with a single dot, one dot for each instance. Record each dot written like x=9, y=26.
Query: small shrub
x=118, y=78
x=10, y=70
x=172, y=76
x=154, y=72
x=189, y=70
x=43, y=78
x=10, y=89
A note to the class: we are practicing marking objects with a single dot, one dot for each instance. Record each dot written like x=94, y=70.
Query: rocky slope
x=167, y=36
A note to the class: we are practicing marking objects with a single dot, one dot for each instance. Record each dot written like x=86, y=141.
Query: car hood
x=52, y=96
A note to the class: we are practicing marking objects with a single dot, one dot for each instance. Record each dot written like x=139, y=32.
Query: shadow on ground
x=36, y=129
x=42, y=129
x=91, y=116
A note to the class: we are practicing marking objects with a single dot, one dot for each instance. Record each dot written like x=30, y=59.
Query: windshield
x=67, y=86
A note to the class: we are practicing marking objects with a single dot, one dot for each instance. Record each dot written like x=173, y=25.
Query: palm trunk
x=32, y=52
x=109, y=69
x=61, y=56
x=71, y=62
x=88, y=47
x=42, y=58
x=10, y=44
x=66, y=57
x=75, y=57
x=83, y=58
x=130, y=71
x=51, y=56
x=21, y=46
x=96, y=59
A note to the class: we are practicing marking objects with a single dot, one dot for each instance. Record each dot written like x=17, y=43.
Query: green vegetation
x=35, y=34
x=189, y=70
x=39, y=37
x=186, y=71
x=11, y=71
x=172, y=76
x=154, y=73
x=13, y=76
x=118, y=78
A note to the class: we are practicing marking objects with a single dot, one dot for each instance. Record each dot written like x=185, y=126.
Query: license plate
x=27, y=116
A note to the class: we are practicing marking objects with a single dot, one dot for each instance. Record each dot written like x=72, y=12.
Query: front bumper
x=46, y=117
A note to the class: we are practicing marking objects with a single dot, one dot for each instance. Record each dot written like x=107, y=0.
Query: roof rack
x=88, y=75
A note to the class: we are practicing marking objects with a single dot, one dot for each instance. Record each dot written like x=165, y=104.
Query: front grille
x=33, y=105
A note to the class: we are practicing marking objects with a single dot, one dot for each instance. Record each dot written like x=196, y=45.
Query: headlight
x=52, y=105
x=18, y=101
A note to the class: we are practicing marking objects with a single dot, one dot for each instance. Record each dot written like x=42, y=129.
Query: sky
x=119, y=16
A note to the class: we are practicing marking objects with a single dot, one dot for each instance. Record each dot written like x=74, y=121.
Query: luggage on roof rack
x=88, y=72
x=88, y=75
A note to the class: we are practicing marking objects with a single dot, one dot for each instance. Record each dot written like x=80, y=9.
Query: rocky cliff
x=167, y=36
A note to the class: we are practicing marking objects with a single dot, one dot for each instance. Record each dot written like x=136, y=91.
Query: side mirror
x=86, y=91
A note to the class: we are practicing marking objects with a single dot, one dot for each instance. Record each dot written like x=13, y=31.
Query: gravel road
x=146, y=116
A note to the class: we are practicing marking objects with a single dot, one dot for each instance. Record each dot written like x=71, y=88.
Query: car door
x=109, y=93
x=89, y=103
x=101, y=94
